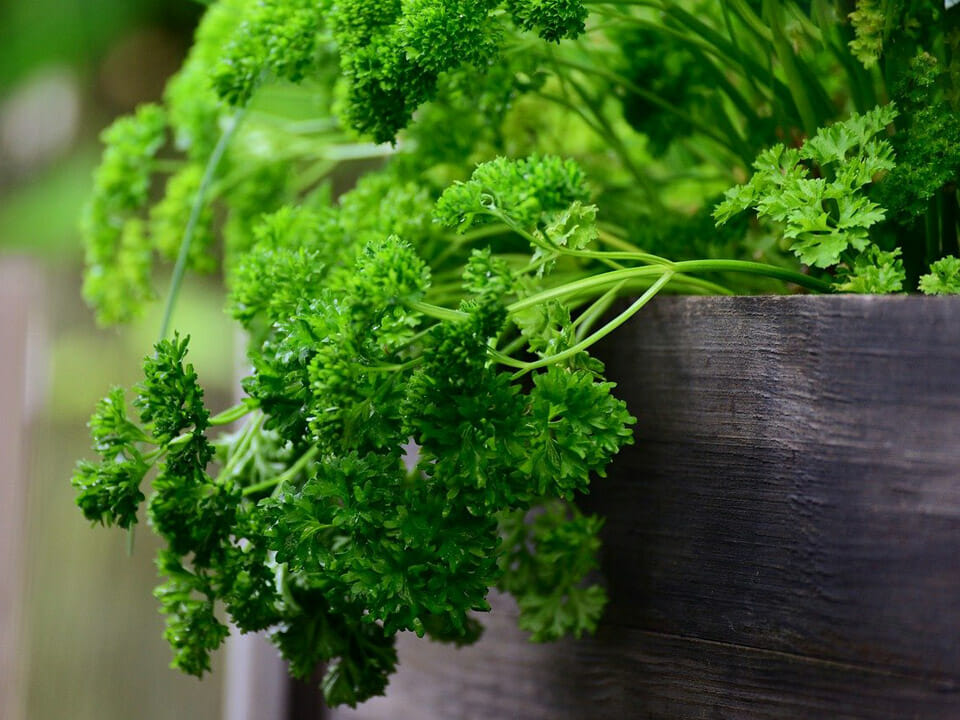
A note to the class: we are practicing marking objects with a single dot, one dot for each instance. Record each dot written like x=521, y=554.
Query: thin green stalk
x=232, y=414
x=395, y=367
x=613, y=142
x=732, y=34
x=861, y=85
x=435, y=311
x=583, y=285
x=754, y=268
x=617, y=79
x=608, y=237
x=751, y=20
x=639, y=256
x=701, y=50
x=602, y=332
x=699, y=285
x=588, y=317
x=749, y=66
x=505, y=359
x=240, y=452
x=198, y=202
x=791, y=64
x=288, y=474
x=931, y=232
x=593, y=282
x=616, y=143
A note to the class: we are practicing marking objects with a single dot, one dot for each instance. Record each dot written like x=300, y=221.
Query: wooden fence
x=20, y=312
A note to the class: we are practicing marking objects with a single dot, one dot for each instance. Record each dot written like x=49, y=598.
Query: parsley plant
x=422, y=408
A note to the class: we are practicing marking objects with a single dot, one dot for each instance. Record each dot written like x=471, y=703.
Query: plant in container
x=525, y=164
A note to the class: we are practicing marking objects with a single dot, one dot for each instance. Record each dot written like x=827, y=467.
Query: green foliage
x=666, y=68
x=118, y=253
x=424, y=410
x=878, y=22
x=551, y=19
x=276, y=38
x=170, y=216
x=546, y=564
x=928, y=148
x=870, y=25
x=193, y=105
x=874, y=272
x=109, y=492
x=282, y=268
x=392, y=54
x=516, y=191
x=360, y=656
x=192, y=629
x=943, y=279
x=170, y=399
x=581, y=427
x=826, y=215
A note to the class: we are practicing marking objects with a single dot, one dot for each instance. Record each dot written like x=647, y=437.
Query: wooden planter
x=783, y=541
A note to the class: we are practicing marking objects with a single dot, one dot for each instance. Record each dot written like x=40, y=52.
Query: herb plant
x=422, y=409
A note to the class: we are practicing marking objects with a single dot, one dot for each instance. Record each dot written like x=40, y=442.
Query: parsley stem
x=436, y=311
x=283, y=583
x=505, y=359
x=608, y=237
x=599, y=306
x=799, y=83
x=183, y=255
x=232, y=414
x=602, y=332
x=687, y=266
x=395, y=367
x=587, y=283
x=754, y=268
x=239, y=456
x=288, y=474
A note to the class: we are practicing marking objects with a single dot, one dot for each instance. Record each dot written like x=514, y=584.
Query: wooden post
x=20, y=313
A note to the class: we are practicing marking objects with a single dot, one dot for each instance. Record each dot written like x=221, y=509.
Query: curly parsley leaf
x=118, y=255
x=943, y=278
x=187, y=602
x=519, y=191
x=551, y=19
x=546, y=565
x=874, y=271
x=109, y=491
x=823, y=216
x=927, y=143
x=277, y=38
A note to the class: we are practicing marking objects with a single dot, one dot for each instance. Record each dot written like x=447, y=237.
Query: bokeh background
x=80, y=636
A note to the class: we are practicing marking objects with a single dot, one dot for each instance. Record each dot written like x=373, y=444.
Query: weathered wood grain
x=783, y=541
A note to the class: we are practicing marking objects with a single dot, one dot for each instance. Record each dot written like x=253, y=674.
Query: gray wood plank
x=782, y=542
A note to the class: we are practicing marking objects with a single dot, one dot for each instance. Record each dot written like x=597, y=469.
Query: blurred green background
x=91, y=643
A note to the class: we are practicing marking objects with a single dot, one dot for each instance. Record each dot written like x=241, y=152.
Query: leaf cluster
x=319, y=526
x=826, y=215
